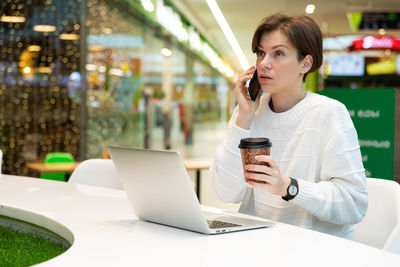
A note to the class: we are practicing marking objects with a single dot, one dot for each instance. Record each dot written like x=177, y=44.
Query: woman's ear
x=307, y=64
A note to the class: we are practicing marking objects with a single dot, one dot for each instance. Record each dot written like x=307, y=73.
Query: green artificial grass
x=25, y=249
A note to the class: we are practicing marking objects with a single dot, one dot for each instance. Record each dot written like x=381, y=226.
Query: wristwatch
x=292, y=190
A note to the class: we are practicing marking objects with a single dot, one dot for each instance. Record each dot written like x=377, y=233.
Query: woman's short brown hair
x=301, y=31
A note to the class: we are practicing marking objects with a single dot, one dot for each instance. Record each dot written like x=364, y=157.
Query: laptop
x=160, y=191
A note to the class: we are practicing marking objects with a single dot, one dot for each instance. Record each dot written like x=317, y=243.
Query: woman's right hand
x=247, y=108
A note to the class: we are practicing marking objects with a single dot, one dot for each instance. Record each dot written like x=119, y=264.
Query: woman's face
x=277, y=65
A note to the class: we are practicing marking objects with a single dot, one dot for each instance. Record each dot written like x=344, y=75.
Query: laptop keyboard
x=213, y=224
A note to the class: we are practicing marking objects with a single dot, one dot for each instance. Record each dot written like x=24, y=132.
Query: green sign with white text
x=373, y=115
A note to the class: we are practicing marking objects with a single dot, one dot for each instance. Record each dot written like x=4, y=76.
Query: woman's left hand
x=267, y=177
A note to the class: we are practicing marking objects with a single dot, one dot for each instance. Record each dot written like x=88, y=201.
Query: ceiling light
x=27, y=70
x=382, y=31
x=44, y=28
x=12, y=19
x=95, y=48
x=91, y=67
x=147, y=5
x=34, y=48
x=310, y=9
x=44, y=70
x=228, y=33
x=166, y=52
x=69, y=36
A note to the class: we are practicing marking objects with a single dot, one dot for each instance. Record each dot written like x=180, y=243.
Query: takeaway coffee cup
x=251, y=147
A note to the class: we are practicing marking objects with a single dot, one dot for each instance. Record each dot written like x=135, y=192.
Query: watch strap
x=293, y=182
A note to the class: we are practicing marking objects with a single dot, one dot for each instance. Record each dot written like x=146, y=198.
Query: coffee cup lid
x=255, y=142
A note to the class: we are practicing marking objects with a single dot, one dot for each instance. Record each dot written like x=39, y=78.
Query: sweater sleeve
x=340, y=196
x=226, y=172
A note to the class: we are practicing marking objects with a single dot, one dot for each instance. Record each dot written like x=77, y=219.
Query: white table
x=107, y=233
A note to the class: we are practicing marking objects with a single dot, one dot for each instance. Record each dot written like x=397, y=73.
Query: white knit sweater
x=314, y=142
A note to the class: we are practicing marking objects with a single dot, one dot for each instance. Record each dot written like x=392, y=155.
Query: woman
x=315, y=177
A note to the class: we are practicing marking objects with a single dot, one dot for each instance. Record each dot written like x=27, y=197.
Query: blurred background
x=79, y=75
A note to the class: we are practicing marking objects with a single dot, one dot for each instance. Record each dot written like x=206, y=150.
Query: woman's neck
x=284, y=101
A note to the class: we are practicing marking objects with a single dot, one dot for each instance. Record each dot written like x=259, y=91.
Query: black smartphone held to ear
x=253, y=87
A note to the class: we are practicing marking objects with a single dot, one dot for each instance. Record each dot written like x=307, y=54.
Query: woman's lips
x=264, y=78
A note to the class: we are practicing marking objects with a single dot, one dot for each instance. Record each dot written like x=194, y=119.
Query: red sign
x=376, y=42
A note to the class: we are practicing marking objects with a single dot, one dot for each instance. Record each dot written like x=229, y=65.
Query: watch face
x=292, y=190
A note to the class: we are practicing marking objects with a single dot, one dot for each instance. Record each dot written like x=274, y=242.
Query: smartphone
x=253, y=87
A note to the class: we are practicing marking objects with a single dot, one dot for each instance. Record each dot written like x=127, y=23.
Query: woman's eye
x=260, y=53
x=279, y=53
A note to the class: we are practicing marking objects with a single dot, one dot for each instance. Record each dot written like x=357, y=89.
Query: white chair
x=383, y=214
x=392, y=244
x=98, y=172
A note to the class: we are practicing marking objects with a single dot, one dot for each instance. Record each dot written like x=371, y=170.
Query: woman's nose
x=266, y=63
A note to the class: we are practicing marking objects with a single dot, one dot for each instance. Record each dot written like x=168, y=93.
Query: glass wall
x=77, y=76
x=114, y=71
x=166, y=79
x=126, y=64
x=207, y=106
x=39, y=80
x=127, y=61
